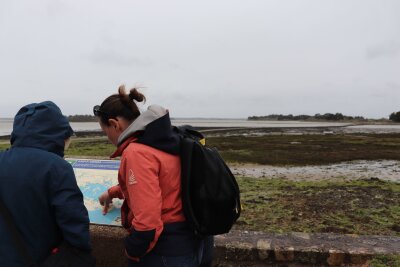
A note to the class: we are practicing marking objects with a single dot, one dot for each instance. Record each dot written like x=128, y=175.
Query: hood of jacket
x=42, y=126
x=153, y=128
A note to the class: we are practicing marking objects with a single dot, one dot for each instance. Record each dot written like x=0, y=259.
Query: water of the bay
x=6, y=125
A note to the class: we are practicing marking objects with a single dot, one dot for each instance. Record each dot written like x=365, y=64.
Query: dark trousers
x=155, y=260
x=203, y=258
x=207, y=255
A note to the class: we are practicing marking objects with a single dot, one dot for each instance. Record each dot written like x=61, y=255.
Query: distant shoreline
x=76, y=133
x=246, y=127
x=272, y=130
x=355, y=122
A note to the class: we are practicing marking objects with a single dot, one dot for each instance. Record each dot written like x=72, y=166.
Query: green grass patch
x=83, y=147
x=385, y=261
x=90, y=147
x=4, y=146
x=356, y=207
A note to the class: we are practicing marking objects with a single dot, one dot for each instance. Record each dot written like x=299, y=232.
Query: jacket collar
x=121, y=148
x=152, y=128
x=152, y=113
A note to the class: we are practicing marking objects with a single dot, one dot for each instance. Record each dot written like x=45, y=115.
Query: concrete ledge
x=244, y=248
x=108, y=246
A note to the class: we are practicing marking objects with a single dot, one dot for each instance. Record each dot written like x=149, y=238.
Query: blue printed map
x=93, y=178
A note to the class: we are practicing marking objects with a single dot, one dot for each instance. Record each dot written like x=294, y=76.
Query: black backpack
x=210, y=193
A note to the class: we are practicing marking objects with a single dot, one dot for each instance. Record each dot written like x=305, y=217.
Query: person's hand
x=105, y=201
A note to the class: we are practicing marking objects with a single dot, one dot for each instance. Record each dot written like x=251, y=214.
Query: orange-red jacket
x=150, y=184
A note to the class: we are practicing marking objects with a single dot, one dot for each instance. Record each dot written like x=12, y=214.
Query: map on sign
x=93, y=178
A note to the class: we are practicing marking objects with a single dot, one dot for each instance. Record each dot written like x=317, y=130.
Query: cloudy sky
x=224, y=58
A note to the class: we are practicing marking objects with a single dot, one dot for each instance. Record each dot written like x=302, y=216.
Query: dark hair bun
x=121, y=104
x=134, y=94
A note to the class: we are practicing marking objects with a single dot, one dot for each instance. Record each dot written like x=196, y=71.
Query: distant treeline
x=325, y=117
x=395, y=116
x=81, y=118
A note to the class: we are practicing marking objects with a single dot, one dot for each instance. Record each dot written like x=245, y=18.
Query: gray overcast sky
x=224, y=58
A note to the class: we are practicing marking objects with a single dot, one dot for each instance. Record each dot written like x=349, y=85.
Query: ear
x=114, y=123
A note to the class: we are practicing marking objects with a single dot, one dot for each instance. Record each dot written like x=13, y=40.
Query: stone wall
x=253, y=249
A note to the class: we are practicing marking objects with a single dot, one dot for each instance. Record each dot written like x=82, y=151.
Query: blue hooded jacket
x=39, y=187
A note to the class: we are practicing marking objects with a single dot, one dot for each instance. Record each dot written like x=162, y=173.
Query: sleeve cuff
x=131, y=258
x=115, y=192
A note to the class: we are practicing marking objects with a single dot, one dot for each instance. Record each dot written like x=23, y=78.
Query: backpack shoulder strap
x=16, y=236
x=186, y=151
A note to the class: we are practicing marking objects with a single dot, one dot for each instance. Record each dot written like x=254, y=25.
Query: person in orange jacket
x=149, y=182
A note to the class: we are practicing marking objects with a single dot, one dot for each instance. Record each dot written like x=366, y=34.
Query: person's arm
x=106, y=197
x=70, y=213
x=145, y=201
